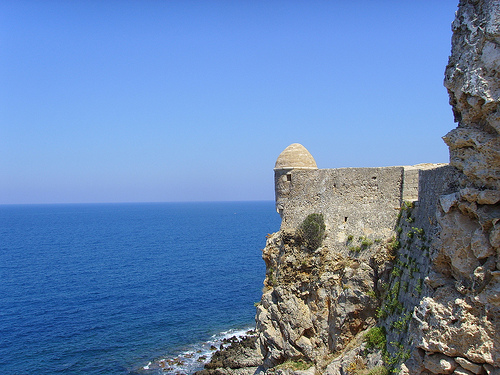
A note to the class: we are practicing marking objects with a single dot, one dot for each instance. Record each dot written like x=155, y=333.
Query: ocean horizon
x=110, y=288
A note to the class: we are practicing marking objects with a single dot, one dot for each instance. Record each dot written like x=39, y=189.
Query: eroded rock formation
x=460, y=319
x=472, y=78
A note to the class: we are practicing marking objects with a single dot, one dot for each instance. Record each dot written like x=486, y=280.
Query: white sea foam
x=194, y=357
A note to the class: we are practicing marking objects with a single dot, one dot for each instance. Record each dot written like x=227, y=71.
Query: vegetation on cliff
x=312, y=231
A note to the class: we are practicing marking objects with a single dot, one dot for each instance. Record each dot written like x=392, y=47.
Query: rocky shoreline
x=242, y=356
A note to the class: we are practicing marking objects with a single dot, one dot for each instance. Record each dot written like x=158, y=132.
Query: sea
x=129, y=288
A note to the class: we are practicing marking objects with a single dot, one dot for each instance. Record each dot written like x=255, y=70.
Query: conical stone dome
x=295, y=156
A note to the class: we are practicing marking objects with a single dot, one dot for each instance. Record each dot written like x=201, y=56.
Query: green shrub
x=401, y=325
x=419, y=231
x=312, y=231
x=396, y=272
x=418, y=287
x=371, y=294
x=393, y=245
x=270, y=277
x=381, y=312
x=375, y=338
x=366, y=242
x=408, y=205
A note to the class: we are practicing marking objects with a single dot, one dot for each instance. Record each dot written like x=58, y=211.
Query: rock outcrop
x=407, y=283
x=472, y=78
x=459, y=321
x=241, y=357
x=315, y=301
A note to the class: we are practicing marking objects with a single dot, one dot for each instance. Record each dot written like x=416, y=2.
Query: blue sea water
x=109, y=288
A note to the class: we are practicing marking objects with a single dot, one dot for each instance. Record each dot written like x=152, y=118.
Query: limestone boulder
x=455, y=256
x=457, y=326
x=474, y=368
x=439, y=364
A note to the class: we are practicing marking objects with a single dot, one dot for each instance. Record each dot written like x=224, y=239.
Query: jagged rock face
x=315, y=302
x=473, y=81
x=460, y=318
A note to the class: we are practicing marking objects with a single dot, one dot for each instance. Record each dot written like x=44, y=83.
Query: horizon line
x=136, y=202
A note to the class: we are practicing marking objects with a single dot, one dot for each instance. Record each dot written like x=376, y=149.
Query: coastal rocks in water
x=241, y=357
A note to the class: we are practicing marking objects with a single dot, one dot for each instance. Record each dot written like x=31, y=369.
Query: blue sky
x=154, y=101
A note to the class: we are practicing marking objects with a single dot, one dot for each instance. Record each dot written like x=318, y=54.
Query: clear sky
x=163, y=100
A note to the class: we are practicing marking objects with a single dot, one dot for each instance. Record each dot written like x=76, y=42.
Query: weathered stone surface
x=458, y=326
x=476, y=153
x=455, y=256
x=231, y=371
x=463, y=320
x=439, y=364
x=468, y=365
x=448, y=201
x=491, y=293
x=241, y=357
x=480, y=196
x=480, y=244
x=315, y=301
x=291, y=371
x=355, y=360
x=474, y=87
x=354, y=201
x=462, y=371
x=295, y=156
x=435, y=280
x=494, y=236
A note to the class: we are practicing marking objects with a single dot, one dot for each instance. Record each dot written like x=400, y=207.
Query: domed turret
x=295, y=156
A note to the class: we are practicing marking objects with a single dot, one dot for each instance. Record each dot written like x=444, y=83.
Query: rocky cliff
x=456, y=326
x=417, y=294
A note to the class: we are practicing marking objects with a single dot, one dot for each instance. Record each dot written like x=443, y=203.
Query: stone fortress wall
x=354, y=201
x=445, y=269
